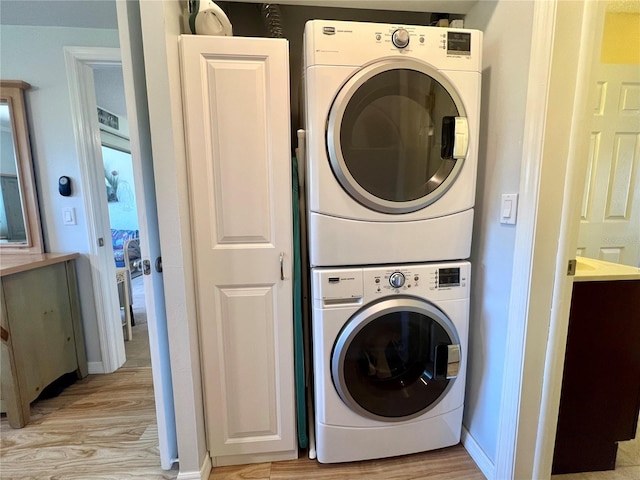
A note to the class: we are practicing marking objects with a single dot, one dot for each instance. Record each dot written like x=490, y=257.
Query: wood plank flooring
x=104, y=427
x=453, y=463
x=101, y=427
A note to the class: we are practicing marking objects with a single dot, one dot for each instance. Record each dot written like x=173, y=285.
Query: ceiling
x=59, y=13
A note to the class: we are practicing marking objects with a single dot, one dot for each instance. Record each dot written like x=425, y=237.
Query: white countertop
x=592, y=270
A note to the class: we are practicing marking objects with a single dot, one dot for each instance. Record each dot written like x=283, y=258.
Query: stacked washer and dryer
x=391, y=114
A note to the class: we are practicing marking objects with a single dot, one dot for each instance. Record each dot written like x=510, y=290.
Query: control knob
x=396, y=280
x=400, y=38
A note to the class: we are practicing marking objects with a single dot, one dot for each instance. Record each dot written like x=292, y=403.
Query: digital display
x=448, y=277
x=458, y=43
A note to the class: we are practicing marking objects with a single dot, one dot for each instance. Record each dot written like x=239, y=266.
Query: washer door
x=395, y=359
x=397, y=135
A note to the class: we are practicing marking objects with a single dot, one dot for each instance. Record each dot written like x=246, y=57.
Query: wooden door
x=236, y=101
x=610, y=217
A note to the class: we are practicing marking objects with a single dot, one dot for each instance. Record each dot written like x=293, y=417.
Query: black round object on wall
x=64, y=186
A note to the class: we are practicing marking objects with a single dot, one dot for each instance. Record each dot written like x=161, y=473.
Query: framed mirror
x=20, y=229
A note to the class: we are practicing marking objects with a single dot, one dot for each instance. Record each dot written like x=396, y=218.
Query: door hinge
x=101, y=242
x=571, y=267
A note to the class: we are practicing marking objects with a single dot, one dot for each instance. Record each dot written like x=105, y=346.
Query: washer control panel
x=341, y=286
x=416, y=279
x=451, y=277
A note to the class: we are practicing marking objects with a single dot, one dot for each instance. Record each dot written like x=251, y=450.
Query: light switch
x=509, y=208
x=506, y=208
x=69, y=216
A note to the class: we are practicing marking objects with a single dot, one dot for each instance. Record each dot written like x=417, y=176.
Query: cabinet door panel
x=44, y=346
x=236, y=100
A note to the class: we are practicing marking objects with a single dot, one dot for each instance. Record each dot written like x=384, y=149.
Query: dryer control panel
x=332, y=42
x=441, y=281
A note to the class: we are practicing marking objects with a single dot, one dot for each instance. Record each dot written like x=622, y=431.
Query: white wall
x=35, y=55
x=507, y=41
x=110, y=90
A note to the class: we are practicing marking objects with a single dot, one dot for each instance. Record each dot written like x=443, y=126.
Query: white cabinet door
x=236, y=100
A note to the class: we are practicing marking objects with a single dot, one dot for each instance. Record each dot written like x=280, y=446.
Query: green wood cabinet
x=42, y=335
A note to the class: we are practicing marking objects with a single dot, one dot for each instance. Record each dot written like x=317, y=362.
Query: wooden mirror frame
x=12, y=92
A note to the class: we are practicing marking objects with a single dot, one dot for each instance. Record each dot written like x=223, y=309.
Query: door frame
x=552, y=183
x=589, y=17
x=79, y=64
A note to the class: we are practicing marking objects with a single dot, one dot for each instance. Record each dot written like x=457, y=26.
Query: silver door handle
x=281, y=265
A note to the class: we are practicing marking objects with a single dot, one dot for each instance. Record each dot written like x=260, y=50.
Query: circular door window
x=396, y=359
x=390, y=134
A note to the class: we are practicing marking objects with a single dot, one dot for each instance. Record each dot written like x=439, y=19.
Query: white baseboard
x=95, y=368
x=203, y=474
x=477, y=454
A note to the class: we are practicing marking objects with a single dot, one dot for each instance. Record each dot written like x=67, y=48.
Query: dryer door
x=395, y=359
x=397, y=135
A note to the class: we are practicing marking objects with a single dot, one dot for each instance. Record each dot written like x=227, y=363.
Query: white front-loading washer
x=389, y=356
x=391, y=119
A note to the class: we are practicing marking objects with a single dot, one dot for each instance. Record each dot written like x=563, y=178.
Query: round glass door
x=395, y=359
x=390, y=133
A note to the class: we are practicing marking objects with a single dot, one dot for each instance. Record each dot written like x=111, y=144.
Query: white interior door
x=140, y=137
x=610, y=217
x=236, y=100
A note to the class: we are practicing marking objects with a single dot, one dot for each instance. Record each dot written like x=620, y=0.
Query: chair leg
x=133, y=320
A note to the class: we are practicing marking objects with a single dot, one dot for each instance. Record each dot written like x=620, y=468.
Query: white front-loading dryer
x=389, y=357
x=391, y=119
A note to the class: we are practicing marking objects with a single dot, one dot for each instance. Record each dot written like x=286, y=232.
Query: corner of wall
x=478, y=455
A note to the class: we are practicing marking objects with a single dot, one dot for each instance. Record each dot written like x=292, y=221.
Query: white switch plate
x=69, y=216
x=509, y=208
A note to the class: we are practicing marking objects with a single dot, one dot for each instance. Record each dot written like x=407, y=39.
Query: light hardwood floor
x=104, y=427
x=101, y=427
x=453, y=463
x=137, y=349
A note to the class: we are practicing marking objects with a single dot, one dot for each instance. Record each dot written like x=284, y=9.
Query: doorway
x=81, y=62
x=605, y=133
x=122, y=208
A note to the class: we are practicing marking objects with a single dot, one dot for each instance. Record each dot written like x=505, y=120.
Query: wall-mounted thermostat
x=64, y=186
